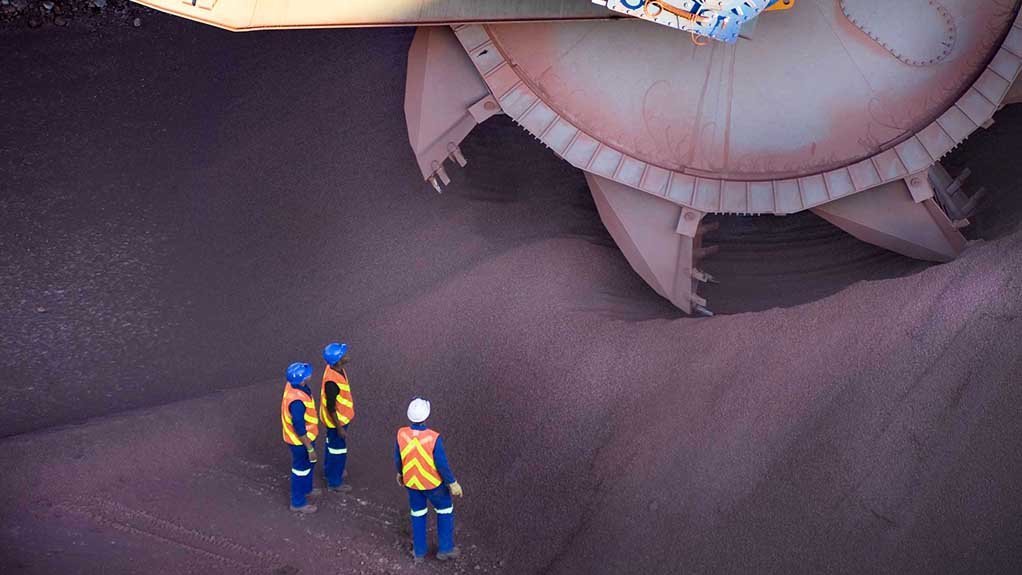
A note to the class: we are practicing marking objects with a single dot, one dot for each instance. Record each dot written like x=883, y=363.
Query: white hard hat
x=418, y=410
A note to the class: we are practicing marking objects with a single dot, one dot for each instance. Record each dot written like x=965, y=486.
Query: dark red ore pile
x=183, y=212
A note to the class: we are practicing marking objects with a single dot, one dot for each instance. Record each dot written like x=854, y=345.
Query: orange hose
x=677, y=12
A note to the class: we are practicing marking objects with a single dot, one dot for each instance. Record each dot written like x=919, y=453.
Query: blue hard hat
x=334, y=352
x=298, y=372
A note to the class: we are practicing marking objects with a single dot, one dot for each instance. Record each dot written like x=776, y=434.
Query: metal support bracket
x=950, y=193
x=919, y=187
x=485, y=109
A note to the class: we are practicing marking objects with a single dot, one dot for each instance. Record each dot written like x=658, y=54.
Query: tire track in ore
x=392, y=533
x=214, y=548
x=358, y=507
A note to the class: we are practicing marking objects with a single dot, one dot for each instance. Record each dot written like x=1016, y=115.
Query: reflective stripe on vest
x=344, y=405
x=418, y=471
x=292, y=394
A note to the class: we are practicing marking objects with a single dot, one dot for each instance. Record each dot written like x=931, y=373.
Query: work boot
x=452, y=554
x=316, y=492
x=307, y=508
x=342, y=488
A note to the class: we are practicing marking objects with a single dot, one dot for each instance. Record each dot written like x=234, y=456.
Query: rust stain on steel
x=808, y=94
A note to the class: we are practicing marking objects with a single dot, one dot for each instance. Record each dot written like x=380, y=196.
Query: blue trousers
x=336, y=457
x=301, y=474
x=440, y=497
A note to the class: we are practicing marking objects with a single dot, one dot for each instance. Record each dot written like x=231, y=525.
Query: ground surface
x=186, y=211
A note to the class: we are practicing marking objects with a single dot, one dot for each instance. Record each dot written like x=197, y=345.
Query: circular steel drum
x=809, y=92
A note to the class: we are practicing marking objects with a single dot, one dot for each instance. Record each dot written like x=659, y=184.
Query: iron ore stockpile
x=185, y=211
x=73, y=13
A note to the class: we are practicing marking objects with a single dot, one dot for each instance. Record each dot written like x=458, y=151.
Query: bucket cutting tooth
x=440, y=172
x=455, y=154
x=433, y=181
x=443, y=96
x=661, y=240
x=703, y=276
x=700, y=310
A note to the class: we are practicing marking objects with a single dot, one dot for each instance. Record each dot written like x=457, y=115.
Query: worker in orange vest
x=301, y=426
x=336, y=410
x=423, y=470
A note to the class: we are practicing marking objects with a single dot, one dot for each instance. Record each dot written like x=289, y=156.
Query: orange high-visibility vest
x=311, y=422
x=418, y=470
x=344, y=406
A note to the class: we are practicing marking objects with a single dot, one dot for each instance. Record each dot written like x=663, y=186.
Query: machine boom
x=244, y=15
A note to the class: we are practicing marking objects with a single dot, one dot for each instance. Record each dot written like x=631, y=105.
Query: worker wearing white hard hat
x=423, y=470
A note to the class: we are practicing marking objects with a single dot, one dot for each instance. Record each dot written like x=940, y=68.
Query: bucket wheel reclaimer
x=842, y=107
x=808, y=115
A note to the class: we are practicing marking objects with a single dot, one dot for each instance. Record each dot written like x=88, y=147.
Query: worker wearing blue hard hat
x=336, y=411
x=300, y=428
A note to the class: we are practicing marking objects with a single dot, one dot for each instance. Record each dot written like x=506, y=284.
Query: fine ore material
x=185, y=211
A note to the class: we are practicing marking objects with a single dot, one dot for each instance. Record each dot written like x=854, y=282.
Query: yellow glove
x=455, y=489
